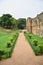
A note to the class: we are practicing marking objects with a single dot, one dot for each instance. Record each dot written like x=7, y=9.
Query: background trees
x=21, y=23
x=8, y=22
x=5, y=21
x=14, y=23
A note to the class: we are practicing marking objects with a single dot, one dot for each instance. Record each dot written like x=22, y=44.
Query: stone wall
x=35, y=26
x=29, y=25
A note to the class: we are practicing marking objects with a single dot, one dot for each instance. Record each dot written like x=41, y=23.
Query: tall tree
x=21, y=23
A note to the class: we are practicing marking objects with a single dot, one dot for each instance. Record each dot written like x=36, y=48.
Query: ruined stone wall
x=35, y=26
x=41, y=29
x=29, y=25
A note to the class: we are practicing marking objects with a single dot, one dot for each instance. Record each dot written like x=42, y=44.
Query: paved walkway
x=23, y=54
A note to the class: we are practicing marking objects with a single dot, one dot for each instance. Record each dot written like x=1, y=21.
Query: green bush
x=35, y=42
x=1, y=53
x=14, y=36
x=41, y=49
x=8, y=45
x=30, y=36
x=37, y=51
x=11, y=40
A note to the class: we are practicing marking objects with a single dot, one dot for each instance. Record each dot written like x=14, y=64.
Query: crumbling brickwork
x=29, y=25
x=35, y=25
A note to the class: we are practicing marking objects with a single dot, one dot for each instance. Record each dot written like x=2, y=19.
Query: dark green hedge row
x=38, y=49
x=9, y=49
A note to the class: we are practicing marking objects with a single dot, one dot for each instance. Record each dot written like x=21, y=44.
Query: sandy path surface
x=23, y=54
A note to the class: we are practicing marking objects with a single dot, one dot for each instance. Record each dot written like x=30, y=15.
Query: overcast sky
x=21, y=8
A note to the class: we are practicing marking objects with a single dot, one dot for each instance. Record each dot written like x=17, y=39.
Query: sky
x=21, y=8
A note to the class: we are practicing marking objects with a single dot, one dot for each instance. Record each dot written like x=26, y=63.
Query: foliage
x=41, y=49
x=36, y=43
x=7, y=21
x=14, y=23
x=6, y=46
x=30, y=36
x=1, y=53
x=21, y=23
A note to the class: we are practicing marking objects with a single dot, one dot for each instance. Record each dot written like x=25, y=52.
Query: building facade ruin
x=35, y=25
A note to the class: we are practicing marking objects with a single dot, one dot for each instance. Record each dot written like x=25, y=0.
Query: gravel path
x=23, y=54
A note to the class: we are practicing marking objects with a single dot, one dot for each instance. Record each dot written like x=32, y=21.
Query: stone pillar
x=29, y=25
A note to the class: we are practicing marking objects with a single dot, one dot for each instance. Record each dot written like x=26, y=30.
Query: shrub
x=37, y=52
x=30, y=36
x=10, y=54
x=11, y=40
x=1, y=53
x=41, y=49
x=14, y=36
x=8, y=45
x=35, y=42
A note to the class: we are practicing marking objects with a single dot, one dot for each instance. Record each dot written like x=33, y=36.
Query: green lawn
x=36, y=43
x=7, y=43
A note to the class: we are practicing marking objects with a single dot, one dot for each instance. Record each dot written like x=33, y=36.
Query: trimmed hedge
x=9, y=48
x=36, y=46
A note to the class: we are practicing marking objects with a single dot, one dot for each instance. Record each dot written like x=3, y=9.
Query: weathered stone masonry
x=35, y=25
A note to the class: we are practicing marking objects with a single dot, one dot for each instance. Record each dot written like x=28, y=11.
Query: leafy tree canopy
x=21, y=23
